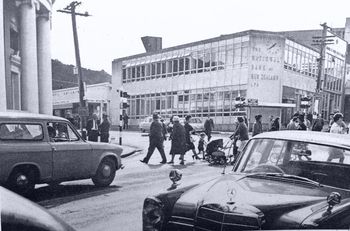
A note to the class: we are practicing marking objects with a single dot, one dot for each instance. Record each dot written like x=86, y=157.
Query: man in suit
x=156, y=140
x=104, y=129
x=92, y=128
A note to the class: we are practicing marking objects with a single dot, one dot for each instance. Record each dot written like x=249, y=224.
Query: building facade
x=25, y=62
x=204, y=78
x=97, y=96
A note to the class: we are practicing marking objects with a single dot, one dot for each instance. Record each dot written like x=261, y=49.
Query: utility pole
x=321, y=41
x=70, y=9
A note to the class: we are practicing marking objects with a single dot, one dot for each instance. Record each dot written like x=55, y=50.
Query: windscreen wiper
x=286, y=176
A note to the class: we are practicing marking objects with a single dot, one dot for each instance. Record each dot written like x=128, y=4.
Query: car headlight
x=152, y=214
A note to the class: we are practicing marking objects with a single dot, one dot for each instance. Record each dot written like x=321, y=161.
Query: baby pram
x=218, y=153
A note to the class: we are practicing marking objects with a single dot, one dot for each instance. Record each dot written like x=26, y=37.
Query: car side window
x=61, y=132
x=21, y=131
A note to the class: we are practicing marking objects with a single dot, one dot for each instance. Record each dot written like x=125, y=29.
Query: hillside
x=63, y=77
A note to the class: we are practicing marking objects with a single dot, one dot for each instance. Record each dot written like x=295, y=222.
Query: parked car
x=281, y=180
x=36, y=148
x=18, y=213
x=146, y=123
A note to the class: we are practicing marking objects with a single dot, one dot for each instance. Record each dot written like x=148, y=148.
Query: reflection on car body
x=281, y=180
x=18, y=213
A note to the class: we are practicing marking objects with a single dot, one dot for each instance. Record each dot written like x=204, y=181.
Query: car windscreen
x=21, y=131
x=318, y=162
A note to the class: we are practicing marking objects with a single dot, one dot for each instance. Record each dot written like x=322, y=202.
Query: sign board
x=253, y=102
x=83, y=111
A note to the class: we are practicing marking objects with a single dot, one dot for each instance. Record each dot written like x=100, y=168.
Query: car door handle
x=53, y=149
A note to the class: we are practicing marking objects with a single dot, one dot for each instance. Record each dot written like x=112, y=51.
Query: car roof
x=331, y=139
x=18, y=115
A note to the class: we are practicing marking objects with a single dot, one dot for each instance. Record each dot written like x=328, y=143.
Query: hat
x=202, y=134
x=176, y=118
x=188, y=117
x=258, y=117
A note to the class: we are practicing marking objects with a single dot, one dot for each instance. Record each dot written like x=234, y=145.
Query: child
x=201, y=144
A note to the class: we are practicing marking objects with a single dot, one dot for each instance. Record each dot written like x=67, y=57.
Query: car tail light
x=152, y=214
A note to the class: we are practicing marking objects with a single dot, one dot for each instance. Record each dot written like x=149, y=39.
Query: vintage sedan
x=18, y=213
x=36, y=148
x=281, y=180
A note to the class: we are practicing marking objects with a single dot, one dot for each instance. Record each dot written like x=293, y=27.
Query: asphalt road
x=119, y=207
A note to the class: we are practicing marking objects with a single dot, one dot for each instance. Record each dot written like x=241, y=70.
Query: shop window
x=200, y=62
x=163, y=69
x=181, y=66
x=153, y=69
x=175, y=66
x=187, y=65
x=207, y=60
x=124, y=74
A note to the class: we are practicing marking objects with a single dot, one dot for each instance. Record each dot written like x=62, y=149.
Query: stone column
x=44, y=63
x=3, y=102
x=29, y=77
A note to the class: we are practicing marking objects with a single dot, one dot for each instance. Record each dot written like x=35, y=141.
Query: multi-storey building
x=25, y=63
x=204, y=78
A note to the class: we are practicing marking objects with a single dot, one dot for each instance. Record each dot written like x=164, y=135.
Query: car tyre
x=22, y=181
x=105, y=173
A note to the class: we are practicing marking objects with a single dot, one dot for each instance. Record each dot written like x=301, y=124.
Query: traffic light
x=124, y=94
x=305, y=102
x=240, y=102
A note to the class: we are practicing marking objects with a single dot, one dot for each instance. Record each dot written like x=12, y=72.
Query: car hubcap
x=106, y=171
x=22, y=180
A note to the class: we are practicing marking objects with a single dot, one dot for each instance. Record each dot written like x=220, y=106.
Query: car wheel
x=22, y=181
x=105, y=173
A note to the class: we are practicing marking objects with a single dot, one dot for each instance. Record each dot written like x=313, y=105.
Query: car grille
x=180, y=223
x=211, y=219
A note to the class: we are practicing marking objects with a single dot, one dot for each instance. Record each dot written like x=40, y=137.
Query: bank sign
x=265, y=68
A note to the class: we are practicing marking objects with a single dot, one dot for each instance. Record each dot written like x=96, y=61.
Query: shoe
x=162, y=162
x=170, y=162
x=182, y=163
x=143, y=161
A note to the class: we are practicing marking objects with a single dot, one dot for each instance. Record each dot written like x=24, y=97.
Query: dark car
x=281, y=180
x=18, y=213
x=37, y=148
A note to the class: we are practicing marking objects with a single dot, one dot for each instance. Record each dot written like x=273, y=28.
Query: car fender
x=114, y=156
x=25, y=163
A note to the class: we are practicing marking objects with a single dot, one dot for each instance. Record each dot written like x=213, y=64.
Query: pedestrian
x=208, y=127
x=178, y=140
x=201, y=144
x=271, y=122
x=92, y=128
x=164, y=131
x=125, y=121
x=338, y=124
x=293, y=124
x=188, y=132
x=241, y=132
x=318, y=124
x=275, y=125
x=301, y=121
x=104, y=129
x=257, y=127
x=156, y=140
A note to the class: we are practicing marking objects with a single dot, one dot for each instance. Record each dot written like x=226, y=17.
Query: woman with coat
x=178, y=140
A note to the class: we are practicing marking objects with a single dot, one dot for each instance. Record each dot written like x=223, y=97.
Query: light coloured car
x=146, y=124
x=36, y=148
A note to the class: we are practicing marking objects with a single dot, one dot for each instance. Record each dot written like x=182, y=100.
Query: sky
x=116, y=26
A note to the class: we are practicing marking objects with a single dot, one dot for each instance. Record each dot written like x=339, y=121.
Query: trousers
x=152, y=146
